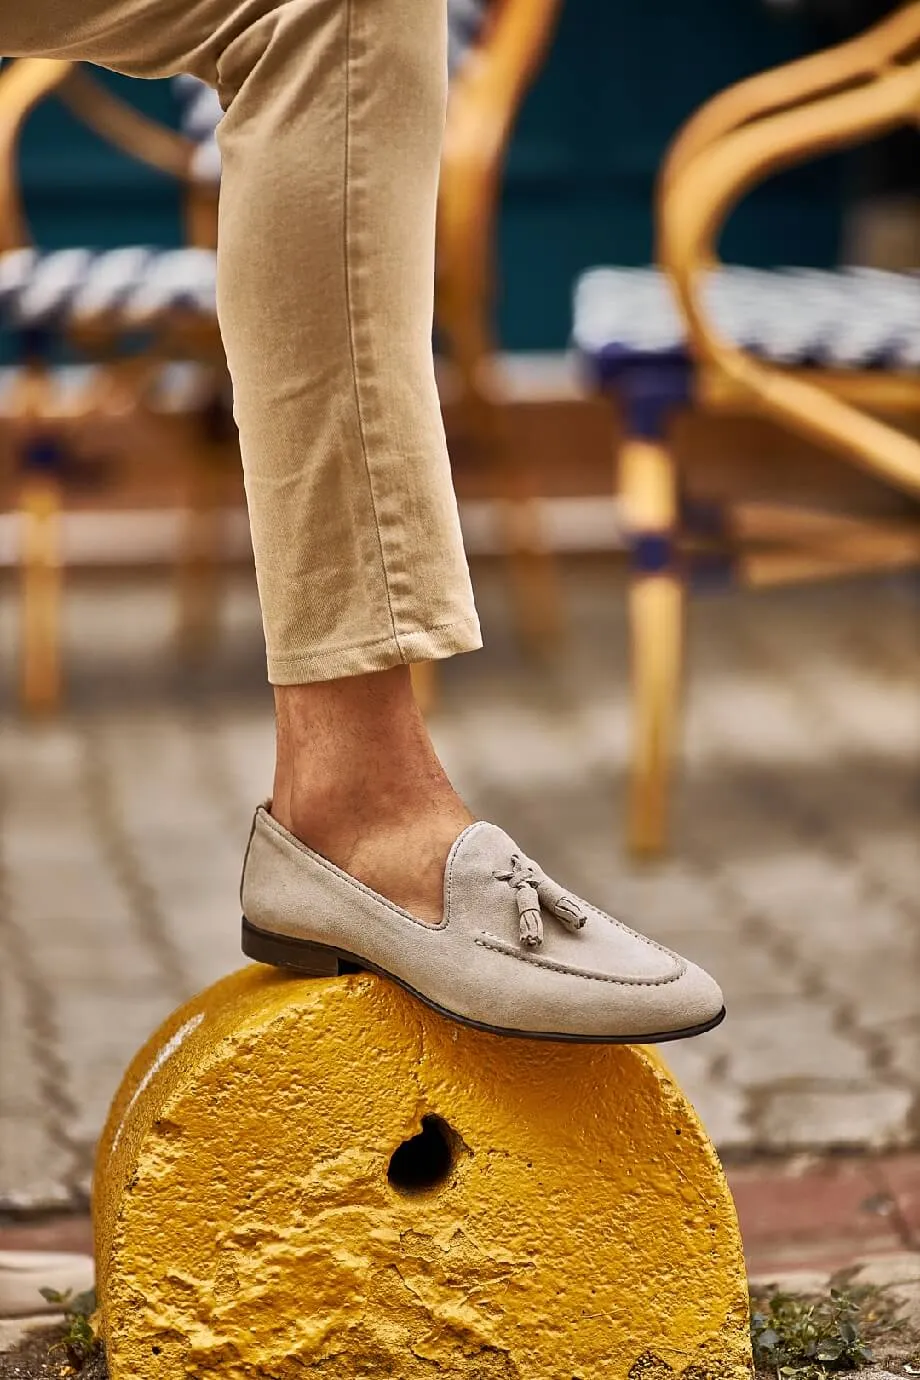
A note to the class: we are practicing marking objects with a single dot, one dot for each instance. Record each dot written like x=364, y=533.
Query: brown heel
x=283, y=951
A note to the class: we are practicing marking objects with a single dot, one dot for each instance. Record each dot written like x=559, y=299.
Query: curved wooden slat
x=782, y=88
x=693, y=210
x=127, y=128
x=22, y=86
x=484, y=99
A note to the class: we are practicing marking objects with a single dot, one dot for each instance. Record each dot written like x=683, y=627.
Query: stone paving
x=795, y=873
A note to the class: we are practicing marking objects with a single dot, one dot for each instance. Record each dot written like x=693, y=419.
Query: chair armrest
x=22, y=86
x=126, y=128
x=692, y=210
x=785, y=87
x=484, y=100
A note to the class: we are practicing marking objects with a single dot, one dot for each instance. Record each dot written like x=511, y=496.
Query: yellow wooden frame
x=23, y=86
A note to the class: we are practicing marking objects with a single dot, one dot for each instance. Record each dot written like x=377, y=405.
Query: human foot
x=369, y=859
x=358, y=780
x=513, y=954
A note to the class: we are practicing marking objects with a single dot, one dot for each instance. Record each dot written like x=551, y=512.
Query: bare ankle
x=357, y=778
x=353, y=748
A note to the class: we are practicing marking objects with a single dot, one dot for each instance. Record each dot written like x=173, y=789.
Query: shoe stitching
x=452, y=858
x=634, y=934
x=287, y=838
x=496, y=946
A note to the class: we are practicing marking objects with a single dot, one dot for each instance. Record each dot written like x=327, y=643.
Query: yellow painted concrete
x=246, y=1226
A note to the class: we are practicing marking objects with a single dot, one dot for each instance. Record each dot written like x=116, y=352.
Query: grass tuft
x=79, y=1340
x=809, y=1337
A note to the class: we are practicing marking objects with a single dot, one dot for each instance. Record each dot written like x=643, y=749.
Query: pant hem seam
x=434, y=643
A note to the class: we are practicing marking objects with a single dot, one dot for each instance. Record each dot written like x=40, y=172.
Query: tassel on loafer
x=514, y=954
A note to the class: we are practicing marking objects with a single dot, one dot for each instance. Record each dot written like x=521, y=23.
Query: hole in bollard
x=424, y=1161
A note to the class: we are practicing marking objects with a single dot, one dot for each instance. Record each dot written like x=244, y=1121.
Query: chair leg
x=656, y=617
x=425, y=685
x=198, y=570
x=197, y=576
x=533, y=576
x=40, y=597
x=533, y=571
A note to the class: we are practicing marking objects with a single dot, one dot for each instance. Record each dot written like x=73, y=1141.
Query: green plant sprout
x=809, y=1338
x=80, y=1340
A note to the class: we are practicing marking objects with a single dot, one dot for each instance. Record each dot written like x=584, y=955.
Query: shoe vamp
x=602, y=949
x=487, y=908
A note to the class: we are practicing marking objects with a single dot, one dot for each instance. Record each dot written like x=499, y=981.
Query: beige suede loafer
x=514, y=953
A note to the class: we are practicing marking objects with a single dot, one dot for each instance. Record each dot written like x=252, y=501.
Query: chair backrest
x=23, y=85
x=876, y=88
x=465, y=22
x=889, y=43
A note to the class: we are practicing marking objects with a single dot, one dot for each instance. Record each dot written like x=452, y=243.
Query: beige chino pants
x=331, y=145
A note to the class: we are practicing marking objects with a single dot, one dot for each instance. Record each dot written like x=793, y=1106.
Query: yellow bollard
x=322, y=1177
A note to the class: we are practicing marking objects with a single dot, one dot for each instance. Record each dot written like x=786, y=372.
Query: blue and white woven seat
x=465, y=22
x=200, y=110
x=130, y=287
x=67, y=386
x=855, y=319
x=199, y=115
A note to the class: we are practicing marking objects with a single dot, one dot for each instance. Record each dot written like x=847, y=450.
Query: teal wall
x=79, y=191
x=622, y=76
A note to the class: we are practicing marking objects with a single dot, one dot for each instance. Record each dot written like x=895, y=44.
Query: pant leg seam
x=349, y=307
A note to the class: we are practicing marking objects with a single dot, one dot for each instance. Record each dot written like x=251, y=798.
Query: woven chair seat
x=199, y=115
x=172, y=388
x=854, y=319
x=128, y=287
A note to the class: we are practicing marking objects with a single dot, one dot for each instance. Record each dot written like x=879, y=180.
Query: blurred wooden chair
x=819, y=352
x=492, y=72
x=66, y=317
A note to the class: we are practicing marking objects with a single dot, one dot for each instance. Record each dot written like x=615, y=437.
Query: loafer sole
x=323, y=960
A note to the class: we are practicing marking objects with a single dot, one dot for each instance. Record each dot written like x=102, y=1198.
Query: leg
x=209, y=451
x=331, y=146
x=358, y=779
x=532, y=567
x=648, y=485
x=346, y=443
x=40, y=573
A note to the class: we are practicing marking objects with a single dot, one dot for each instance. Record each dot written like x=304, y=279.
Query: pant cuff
x=331, y=663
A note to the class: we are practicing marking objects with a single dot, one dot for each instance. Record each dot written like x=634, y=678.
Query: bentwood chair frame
x=849, y=94
x=33, y=406
x=485, y=97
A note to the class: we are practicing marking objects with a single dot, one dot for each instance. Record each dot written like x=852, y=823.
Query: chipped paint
x=160, y=1058
x=246, y=1225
